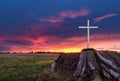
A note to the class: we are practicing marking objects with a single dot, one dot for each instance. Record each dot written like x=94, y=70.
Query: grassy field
x=23, y=67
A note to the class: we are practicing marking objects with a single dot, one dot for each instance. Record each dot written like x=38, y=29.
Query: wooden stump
x=91, y=65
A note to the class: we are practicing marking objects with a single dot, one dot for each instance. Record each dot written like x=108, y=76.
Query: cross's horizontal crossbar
x=88, y=27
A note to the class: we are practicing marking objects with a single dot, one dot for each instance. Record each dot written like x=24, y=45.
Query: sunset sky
x=52, y=25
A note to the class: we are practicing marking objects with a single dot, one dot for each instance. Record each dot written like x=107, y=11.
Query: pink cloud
x=73, y=14
x=70, y=14
x=52, y=19
x=98, y=19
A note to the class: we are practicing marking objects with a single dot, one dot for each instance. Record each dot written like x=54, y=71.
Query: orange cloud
x=73, y=44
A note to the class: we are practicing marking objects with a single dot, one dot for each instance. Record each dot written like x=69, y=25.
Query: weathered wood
x=91, y=65
x=115, y=57
x=81, y=66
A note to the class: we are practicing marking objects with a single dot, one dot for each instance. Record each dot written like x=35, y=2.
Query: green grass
x=23, y=69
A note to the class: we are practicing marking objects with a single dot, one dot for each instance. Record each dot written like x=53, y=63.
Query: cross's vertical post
x=88, y=34
x=88, y=27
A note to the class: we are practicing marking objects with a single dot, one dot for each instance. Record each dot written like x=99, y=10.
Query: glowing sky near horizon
x=52, y=25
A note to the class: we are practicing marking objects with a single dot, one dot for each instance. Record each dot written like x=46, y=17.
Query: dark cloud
x=18, y=42
x=5, y=48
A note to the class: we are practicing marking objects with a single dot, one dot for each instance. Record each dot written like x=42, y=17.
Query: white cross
x=88, y=32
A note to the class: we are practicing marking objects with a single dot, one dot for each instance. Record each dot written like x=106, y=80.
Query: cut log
x=91, y=65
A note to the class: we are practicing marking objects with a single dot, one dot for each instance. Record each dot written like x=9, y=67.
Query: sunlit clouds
x=52, y=25
x=98, y=19
x=73, y=44
x=66, y=14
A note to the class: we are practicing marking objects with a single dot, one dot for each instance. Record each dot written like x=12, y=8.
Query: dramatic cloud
x=5, y=48
x=52, y=25
x=98, y=19
x=73, y=14
x=18, y=42
x=54, y=43
x=66, y=14
x=53, y=19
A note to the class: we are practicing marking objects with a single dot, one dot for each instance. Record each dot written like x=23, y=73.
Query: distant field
x=22, y=67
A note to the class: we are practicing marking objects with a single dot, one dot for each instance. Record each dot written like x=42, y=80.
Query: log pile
x=91, y=65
